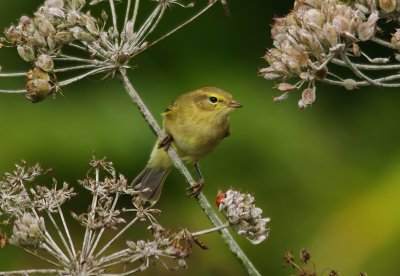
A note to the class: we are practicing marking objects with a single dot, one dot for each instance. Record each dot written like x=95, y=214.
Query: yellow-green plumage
x=197, y=121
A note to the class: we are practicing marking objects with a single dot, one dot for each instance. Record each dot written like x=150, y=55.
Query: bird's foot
x=165, y=142
x=196, y=189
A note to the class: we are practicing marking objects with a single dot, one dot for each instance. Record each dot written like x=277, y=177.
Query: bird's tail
x=151, y=181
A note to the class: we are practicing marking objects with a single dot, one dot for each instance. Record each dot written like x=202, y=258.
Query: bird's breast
x=195, y=137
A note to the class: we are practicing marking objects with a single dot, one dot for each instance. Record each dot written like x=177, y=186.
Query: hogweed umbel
x=64, y=36
x=39, y=226
x=318, y=39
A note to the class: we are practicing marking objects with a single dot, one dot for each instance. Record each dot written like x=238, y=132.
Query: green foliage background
x=328, y=176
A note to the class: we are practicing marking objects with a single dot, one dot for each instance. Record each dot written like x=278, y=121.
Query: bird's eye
x=213, y=99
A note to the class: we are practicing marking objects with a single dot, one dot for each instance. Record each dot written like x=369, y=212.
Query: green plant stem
x=201, y=199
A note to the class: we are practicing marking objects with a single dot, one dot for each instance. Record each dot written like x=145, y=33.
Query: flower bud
x=372, y=4
x=285, y=87
x=308, y=96
x=104, y=16
x=387, y=6
x=55, y=12
x=73, y=17
x=81, y=35
x=314, y=17
x=13, y=34
x=38, y=86
x=280, y=67
x=182, y=263
x=350, y=84
x=305, y=37
x=63, y=37
x=37, y=73
x=25, y=20
x=301, y=104
x=112, y=33
x=45, y=63
x=45, y=27
x=129, y=34
x=54, y=4
x=51, y=42
x=271, y=76
x=91, y=27
x=356, y=50
x=341, y=24
x=26, y=52
x=90, y=24
x=366, y=30
x=396, y=39
x=281, y=98
x=77, y=4
x=329, y=33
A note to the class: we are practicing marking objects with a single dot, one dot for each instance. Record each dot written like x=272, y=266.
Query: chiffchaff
x=193, y=125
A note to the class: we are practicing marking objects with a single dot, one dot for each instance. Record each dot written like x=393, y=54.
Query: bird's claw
x=165, y=142
x=196, y=189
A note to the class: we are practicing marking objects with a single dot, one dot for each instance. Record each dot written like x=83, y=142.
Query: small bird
x=193, y=125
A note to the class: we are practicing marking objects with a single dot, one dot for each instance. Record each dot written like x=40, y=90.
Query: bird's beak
x=234, y=104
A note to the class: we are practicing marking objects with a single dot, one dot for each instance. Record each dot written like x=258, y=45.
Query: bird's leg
x=165, y=142
x=196, y=189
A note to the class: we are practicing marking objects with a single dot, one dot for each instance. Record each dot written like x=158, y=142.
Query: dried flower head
x=36, y=213
x=305, y=268
x=244, y=216
x=46, y=38
x=164, y=246
x=28, y=231
x=305, y=256
x=317, y=33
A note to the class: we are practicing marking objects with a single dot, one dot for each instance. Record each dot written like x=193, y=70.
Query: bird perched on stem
x=193, y=125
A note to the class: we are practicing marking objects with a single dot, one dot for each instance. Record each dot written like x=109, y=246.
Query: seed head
x=243, y=215
x=28, y=231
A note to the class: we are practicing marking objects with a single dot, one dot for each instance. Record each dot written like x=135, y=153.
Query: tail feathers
x=151, y=181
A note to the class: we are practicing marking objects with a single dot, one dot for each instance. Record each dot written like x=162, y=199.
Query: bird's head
x=214, y=100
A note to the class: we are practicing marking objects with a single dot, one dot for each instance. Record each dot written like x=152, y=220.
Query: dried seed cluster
x=36, y=212
x=60, y=25
x=39, y=40
x=318, y=32
x=241, y=212
x=28, y=231
x=175, y=246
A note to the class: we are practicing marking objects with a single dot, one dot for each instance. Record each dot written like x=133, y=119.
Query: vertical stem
x=135, y=13
x=91, y=216
x=116, y=236
x=113, y=14
x=103, y=229
x=147, y=24
x=60, y=234
x=201, y=199
x=60, y=212
x=159, y=16
x=128, y=7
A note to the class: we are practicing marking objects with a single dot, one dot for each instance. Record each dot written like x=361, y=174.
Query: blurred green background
x=328, y=176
